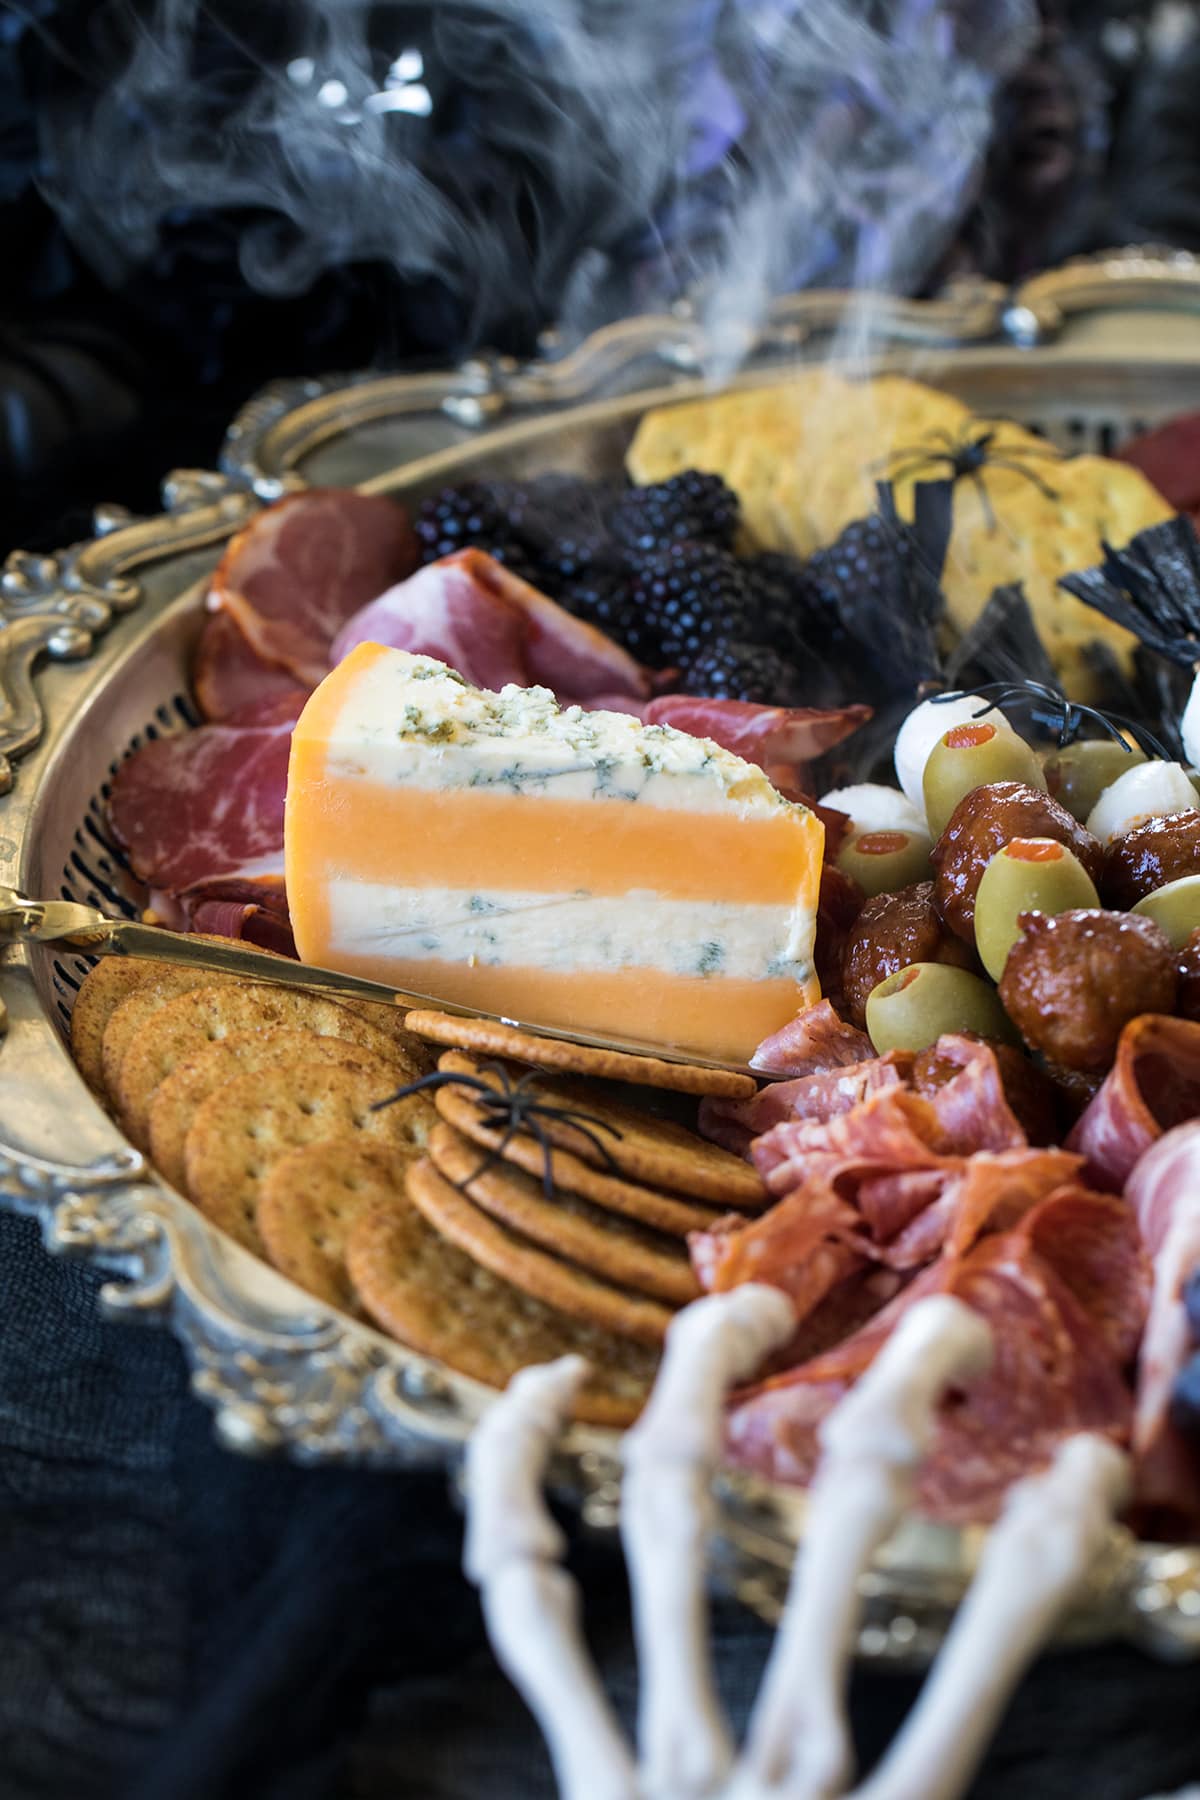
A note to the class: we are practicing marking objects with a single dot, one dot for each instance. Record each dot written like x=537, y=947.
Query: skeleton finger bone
x=872, y=1446
x=1050, y=1531
x=530, y=1604
x=670, y=1458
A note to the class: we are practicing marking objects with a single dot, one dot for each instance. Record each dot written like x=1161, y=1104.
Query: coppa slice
x=562, y=867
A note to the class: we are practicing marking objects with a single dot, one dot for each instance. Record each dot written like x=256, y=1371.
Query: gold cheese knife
x=86, y=928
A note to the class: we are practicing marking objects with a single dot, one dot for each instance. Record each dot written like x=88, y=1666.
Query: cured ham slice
x=208, y=805
x=1164, y=1192
x=1053, y=1372
x=777, y=738
x=1154, y=1084
x=471, y=612
x=288, y=583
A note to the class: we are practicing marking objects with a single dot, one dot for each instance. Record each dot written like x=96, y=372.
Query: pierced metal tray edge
x=281, y=1371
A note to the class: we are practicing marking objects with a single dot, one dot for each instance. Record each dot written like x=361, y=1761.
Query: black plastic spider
x=966, y=457
x=513, y=1107
x=1050, y=708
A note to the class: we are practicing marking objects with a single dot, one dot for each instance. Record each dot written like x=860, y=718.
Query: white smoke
x=542, y=158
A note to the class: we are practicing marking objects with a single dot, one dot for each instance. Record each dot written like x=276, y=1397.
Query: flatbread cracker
x=434, y=1298
x=104, y=987
x=178, y=1031
x=597, y=1241
x=310, y=1203
x=179, y=1097
x=166, y=982
x=637, y=1145
x=514, y=1259
x=481, y=1037
x=570, y=1174
x=244, y=1128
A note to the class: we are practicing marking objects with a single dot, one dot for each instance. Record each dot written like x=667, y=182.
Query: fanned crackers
x=599, y=1242
x=188, y=1024
x=246, y=1127
x=514, y=1259
x=433, y=1297
x=636, y=1145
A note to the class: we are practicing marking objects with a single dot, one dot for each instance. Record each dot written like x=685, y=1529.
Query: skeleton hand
x=797, y=1745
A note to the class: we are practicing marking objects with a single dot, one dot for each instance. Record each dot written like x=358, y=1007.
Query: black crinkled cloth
x=177, y=1623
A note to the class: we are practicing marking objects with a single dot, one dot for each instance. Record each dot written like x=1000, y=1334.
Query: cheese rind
x=559, y=866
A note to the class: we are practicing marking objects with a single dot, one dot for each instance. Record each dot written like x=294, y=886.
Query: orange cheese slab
x=561, y=867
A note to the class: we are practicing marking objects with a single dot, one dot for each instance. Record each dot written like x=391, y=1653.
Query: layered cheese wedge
x=557, y=866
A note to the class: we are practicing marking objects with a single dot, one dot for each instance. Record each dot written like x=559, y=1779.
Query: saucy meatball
x=1155, y=852
x=892, y=931
x=1073, y=980
x=1187, y=965
x=987, y=819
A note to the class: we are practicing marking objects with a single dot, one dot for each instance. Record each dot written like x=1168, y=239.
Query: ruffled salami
x=1153, y=1085
x=287, y=584
x=735, y=1124
x=812, y=1043
x=1053, y=1374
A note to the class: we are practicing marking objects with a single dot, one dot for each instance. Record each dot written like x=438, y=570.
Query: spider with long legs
x=966, y=457
x=1050, y=708
x=511, y=1107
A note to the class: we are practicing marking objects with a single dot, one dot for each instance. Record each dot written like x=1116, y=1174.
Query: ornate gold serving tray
x=94, y=645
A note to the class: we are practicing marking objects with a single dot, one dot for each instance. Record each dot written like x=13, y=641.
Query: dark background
x=175, y=1622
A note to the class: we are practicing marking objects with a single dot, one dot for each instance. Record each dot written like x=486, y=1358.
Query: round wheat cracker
x=437, y=1300
x=310, y=1202
x=245, y=1127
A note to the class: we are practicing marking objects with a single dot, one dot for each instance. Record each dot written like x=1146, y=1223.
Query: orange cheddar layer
x=558, y=866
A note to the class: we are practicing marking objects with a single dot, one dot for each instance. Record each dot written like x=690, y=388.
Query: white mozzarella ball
x=1189, y=725
x=922, y=729
x=1146, y=792
x=873, y=807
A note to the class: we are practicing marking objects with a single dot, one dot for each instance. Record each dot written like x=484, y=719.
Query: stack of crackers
x=484, y=1230
x=804, y=458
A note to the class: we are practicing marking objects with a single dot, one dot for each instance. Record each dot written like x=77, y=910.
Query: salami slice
x=1154, y=1083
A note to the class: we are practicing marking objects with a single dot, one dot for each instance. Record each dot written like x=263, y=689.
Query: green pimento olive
x=1027, y=875
x=883, y=861
x=1176, y=907
x=1078, y=774
x=913, y=1008
x=971, y=756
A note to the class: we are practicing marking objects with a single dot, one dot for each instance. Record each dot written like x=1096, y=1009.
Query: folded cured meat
x=1064, y=1293
x=560, y=866
x=1153, y=1084
x=287, y=584
x=1164, y=1191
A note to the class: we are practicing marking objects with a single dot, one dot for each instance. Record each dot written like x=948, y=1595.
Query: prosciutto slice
x=470, y=611
x=1154, y=1083
x=209, y=805
x=287, y=584
x=778, y=738
x=1164, y=1192
x=1053, y=1372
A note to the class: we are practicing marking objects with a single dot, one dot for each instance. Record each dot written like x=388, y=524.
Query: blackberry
x=646, y=520
x=736, y=670
x=577, y=561
x=459, y=517
x=781, y=603
x=690, y=596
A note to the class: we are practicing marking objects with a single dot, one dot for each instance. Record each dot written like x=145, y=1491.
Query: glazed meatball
x=891, y=931
x=982, y=823
x=1074, y=979
x=1153, y=853
x=1187, y=966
